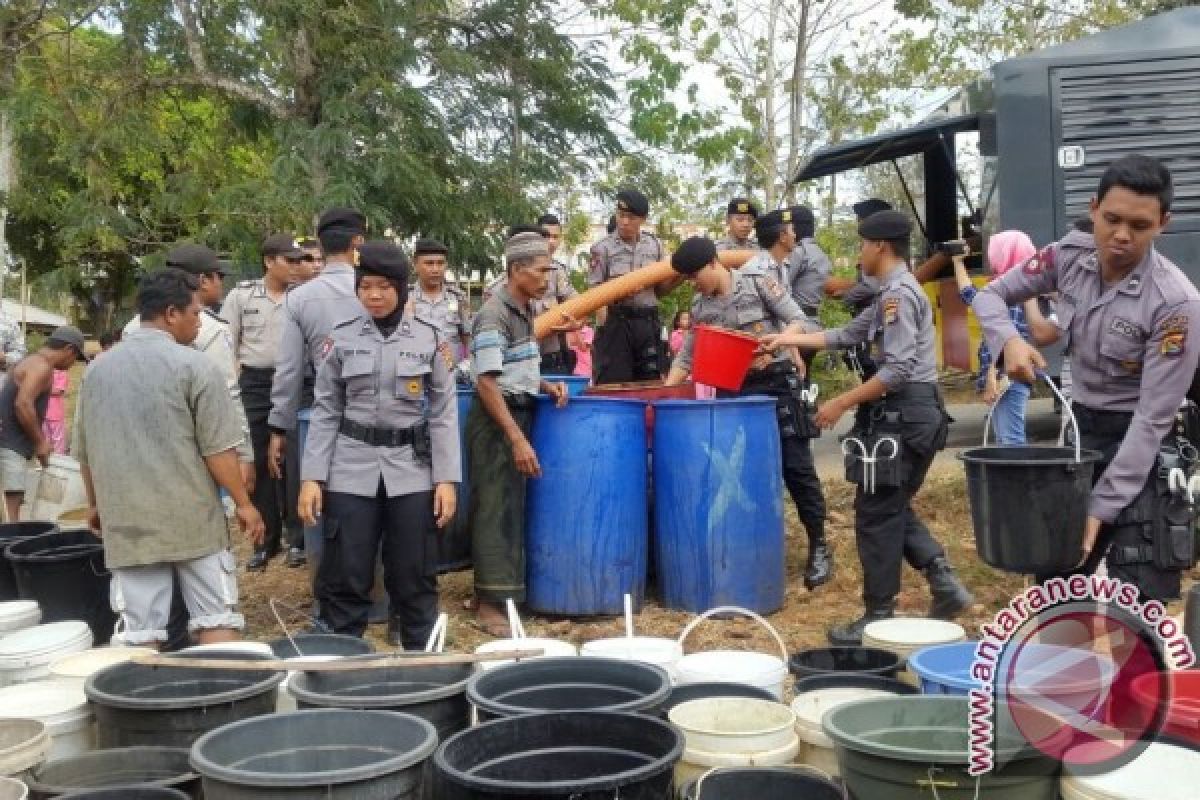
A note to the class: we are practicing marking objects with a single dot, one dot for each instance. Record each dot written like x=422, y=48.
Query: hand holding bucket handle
x=735, y=610
x=870, y=462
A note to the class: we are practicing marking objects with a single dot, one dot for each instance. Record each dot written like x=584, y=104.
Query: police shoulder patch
x=774, y=289
x=326, y=347
x=891, y=309
x=1042, y=262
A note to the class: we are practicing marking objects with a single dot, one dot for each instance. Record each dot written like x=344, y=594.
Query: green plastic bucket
x=916, y=748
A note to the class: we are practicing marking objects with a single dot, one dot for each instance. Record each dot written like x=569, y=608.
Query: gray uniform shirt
x=391, y=383
x=448, y=311
x=612, y=257
x=502, y=344
x=899, y=326
x=1131, y=347
x=757, y=304
x=727, y=242
x=214, y=342
x=807, y=270
x=255, y=324
x=310, y=312
x=148, y=414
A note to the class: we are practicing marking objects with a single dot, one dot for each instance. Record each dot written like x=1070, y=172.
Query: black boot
x=850, y=634
x=950, y=597
x=819, y=569
x=395, y=635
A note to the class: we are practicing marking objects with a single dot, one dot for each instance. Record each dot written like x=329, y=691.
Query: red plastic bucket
x=722, y=358
x=1182, y=718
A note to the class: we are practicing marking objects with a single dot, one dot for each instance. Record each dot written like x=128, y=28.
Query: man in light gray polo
x=156, y=437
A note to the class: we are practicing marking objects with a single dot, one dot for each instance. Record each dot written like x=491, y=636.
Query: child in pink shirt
x=580, y=342
x=54, y=426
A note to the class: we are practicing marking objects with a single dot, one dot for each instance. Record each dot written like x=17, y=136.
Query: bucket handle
x=931, y=783
x=805, y=769
x=437, y=636
x=735, y=610
x=515, y=629
x=1066, y=407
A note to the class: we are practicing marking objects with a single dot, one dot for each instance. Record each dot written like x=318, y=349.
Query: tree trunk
x=768, y=107
x=796, y=114
x=8, y=182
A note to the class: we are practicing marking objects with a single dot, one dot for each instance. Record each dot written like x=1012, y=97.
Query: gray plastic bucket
x=321, y=644
x=127, y=793
x=905, y=748
x=327, y=754
x=125, y=766
x=436, y=694
x=137, y=704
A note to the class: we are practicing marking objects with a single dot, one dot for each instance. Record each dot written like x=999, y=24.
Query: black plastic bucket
x=124, y=766
x=761, y=783
x=321, y=644
x=568, y=684
x=435, y=694
x=127, y=793
x=329, y=754
x=698, y=691
x=582, y=755
x=1029, y=505
x=65, y=574
x=137, y=704
x=849, y=680
x=11, y=532
x=856, y=660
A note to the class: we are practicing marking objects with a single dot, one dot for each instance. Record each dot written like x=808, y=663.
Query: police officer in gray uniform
x=1127, y=312
x=899, y=426
x=434, y=299
x=629, y=343
x=383, y=445
x=751, y=300
x=807, y=267
x=740, y=216
x=557, y=357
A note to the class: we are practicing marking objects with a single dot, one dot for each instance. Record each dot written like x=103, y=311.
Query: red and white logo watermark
x=1055, y=669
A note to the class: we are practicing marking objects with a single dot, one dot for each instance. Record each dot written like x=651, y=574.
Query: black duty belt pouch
x=872, y=462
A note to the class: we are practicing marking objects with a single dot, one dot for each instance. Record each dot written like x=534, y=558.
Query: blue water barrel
x=586, y=519
x=718, y=504
x=575, y=383
x=454, y=543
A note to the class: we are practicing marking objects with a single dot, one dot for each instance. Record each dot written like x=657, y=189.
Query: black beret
x=871, y=205
x=740, y=205
x=634, y=202
x=693, y=255
x=803, y=220
x=430, y=247
x=772, y=220
x=196, y=259
x=383, y=258
x=346, y=220
x=883, y=226
x=549, y=219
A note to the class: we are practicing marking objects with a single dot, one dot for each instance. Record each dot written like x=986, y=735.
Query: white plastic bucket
x=697, y=762
x=13, y=789
x=80, y=666
x=733, y=724
x=761, y=670
x=24, y=744
x=551, y=647
x=26, y=655
x=816, y=748
x=60, y=704
x=245, y=648
x=660, y=652
x=906, y=635
x=59, y=489
x=16, y=615
x=1161, y=772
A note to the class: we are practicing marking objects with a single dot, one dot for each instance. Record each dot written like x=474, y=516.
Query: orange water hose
x=627, y=285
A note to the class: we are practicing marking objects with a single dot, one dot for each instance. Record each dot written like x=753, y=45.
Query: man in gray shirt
x=156, y=437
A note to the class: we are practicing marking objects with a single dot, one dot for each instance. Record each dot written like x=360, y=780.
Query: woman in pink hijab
x=1005, y=250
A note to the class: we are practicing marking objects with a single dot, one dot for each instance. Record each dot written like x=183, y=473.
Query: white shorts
x=13, y=471
x=141, y=596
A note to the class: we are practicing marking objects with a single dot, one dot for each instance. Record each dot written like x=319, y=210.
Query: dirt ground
x=801, y=622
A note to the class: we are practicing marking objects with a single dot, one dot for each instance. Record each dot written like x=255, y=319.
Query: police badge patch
x=326, y=347
x=414, y=387
x=1042, y=262
x=447, y=356
x=774, y=288
x=1175, y=330
x=891, y=310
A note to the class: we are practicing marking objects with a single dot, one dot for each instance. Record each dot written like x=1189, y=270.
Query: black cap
x=772, y=220
x=634, y=202
x=871, y=205
x=346, y=220
x=196, y=259
x=740, y=205
x=68, y=334
x=693, y=255
x=430, y=247
x=549, y=219
x=383, y=258
x=281, y=244
x=884, y=226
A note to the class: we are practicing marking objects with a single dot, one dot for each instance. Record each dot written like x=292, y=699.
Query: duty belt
x=910, y=392
x=1131, y=554
x=378, y=437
